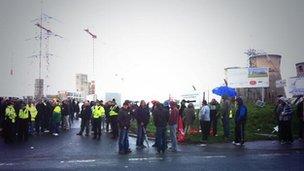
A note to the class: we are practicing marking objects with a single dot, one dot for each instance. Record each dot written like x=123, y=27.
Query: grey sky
x=158, y=47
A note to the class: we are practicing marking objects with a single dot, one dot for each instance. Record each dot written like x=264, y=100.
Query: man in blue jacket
x=240, y=121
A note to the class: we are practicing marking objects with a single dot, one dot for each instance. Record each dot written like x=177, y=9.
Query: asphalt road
x=69, y=151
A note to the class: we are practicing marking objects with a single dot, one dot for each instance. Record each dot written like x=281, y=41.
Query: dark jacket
x=42, y=110
x=189, y=116
x=300, y=110
x=160, y=117
x=86, y=113
x=124, y=118
x=142, y=115
x=65, y=109
x=241, y=114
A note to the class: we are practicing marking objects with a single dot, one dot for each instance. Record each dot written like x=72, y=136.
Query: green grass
x=259, y=121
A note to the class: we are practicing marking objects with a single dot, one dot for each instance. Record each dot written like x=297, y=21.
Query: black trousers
x=8, y=131
x=85, y=124
x=97, y=127
x=285, y=133
x=23, y=129
x=301, y=129
x=205, y=127
x=213, y=121
x=107, y=120
x=114, y=126
x=239, y=132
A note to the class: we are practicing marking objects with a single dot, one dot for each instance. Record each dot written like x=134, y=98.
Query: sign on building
x=247, y=77
x=281, y=83
x=296, y=85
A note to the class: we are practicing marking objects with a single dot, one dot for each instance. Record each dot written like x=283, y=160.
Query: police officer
x=98, y=114
x=23, y=120
x=9, y=122
x=114, y=109
x=34, y=126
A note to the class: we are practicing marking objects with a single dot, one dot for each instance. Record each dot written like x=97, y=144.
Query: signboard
x=280, y=83
x=296, y=85
x=247, y=77
x=194, y=97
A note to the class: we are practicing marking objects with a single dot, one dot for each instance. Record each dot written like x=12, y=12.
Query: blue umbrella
x=224, y=91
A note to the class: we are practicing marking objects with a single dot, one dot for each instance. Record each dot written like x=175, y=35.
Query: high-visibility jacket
x=98, y=111
x=33, y=111
x=10, y=113
x=57, y=109
x=56, y=117
x=112, y=111
x=24, y=113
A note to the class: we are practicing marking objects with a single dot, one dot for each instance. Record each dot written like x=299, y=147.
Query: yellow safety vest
x=112, y=112
x=24, y=113
x=98, y=111
x=10, y=113
x=57, y=109
x=33, y=111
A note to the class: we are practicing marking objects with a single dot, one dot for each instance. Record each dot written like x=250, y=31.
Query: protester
x=225, y=109
x=240, y=121
x=65, y=111
x=205, y=121
x=189, y=117
x=107, y=114
x=142, y=116
x=85, y=116
x=214, y=109
x=285, y=122
x=40, y=118
x=161, y=118
x=173, y=119
x=124, y=125
x=2, y=112
x=47, y=120
x=77, y=109
x=300, y=113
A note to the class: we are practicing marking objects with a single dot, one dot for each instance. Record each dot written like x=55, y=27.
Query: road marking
x=79, y=161
x=6, y=164
x=145, y=158
x=211, y=157
x=273, y=154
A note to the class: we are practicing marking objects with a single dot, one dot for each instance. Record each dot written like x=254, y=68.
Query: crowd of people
x=19, y=119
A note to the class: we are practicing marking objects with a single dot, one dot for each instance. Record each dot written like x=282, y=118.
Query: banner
x=247, y=77
x=296, y=85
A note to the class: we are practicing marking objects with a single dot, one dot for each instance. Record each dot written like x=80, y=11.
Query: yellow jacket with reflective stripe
x=112, y=111
x=10, y=113
x=24, y=113
x=98, y=111
x=33, y=111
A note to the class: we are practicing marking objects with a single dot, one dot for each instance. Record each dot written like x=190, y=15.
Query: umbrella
x=224, y=91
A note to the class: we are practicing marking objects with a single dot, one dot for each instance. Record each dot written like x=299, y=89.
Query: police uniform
x=23, y=126
x=9, y=124
x=113, y=119
x=98, y=114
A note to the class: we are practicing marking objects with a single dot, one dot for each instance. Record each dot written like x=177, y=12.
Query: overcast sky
x=146, y=49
